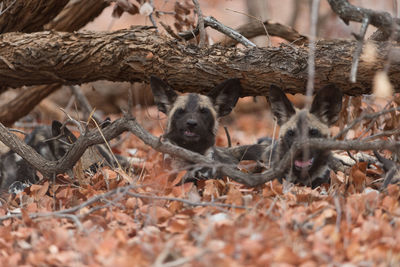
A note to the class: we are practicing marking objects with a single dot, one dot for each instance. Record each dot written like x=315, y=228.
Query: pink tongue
x=303, y=164
x=188, y=133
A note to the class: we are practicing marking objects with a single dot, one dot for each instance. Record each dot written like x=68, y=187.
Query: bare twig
x=151, y=17
x=72, y=210
x=74, y=213
x=338, y=213
x=311, y=51
x=127, y=123
x=228, y=136
x=358, y=50
x=364, y=116
x=381, y=20
x=2, y=11
x=18, y=131
x=381, y=134
x=200, y=23
x=372, y=122
x=254, y=29
x=83, y=102
x=216, y=25
x=187, y=202
x=260, y=22
x=169, y=30
x=390, y=167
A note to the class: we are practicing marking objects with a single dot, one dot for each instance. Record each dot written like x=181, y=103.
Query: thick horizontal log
x=135, y=54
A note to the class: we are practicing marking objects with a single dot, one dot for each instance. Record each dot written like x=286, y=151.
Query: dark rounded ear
x=327, y=104
x=56, y=130
x=164, y=95
x=225, y=96
x=280, y=105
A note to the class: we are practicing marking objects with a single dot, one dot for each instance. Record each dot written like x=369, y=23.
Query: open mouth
x=301, y=165
x=189, y=133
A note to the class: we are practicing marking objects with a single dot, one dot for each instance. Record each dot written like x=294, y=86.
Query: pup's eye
x=203, y=110
x=180, y=111
x=290, y=133
x=313, y=133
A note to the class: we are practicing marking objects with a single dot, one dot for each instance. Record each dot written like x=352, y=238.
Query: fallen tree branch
x=380, y=19
x=127, y=123
x=48, y=168
x=135, y=54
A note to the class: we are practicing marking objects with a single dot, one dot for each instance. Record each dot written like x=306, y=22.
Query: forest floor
x=140, y=218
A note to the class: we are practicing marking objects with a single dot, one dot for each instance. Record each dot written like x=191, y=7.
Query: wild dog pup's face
x=295, y=124
x=192, y=118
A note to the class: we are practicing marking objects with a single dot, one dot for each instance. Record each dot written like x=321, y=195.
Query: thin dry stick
x=311, y=52
x=169, y=30
x=83, y=102
x=188, y=202
x=311, y=68
x=120, y=191
x=107, y=144
x=216, y=25
x=200, y=22
x=228, y=137
x=364, y=116
x=373, y=121
x=259, y=20
x=153, y=21
x=338, y=213
x=71, y=210
x=381, y=134
x=358, y=50
x=7, y=8
x=272, y=143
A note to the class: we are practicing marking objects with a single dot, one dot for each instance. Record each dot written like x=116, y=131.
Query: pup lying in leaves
x=309, y=166
x=51, y=142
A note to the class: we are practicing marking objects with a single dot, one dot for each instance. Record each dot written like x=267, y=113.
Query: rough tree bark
x=135, y=54
x=73, y=17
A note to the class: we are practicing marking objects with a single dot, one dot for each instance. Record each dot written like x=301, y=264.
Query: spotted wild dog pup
x=309, y=167
x=193, y=118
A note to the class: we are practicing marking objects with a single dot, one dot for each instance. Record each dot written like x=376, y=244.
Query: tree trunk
x=135, y=54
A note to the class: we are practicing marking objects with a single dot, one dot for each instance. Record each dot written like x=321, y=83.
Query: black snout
x=191, y=123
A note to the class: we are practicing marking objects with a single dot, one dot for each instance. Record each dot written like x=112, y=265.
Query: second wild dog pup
x=309, y=167
x=193, y=118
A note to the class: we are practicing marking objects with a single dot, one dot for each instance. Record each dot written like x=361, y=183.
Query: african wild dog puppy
x=193, y=118
x=51, y=142
x=15, y=172
x=309, y=167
